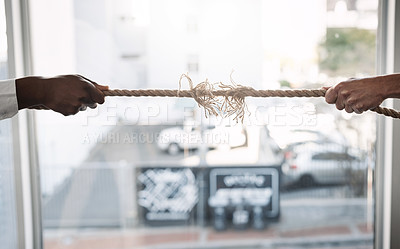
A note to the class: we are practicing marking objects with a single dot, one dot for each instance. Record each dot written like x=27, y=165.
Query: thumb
x=101, y=87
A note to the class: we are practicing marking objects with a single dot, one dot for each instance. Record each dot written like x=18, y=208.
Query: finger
x=38, y=107
x=87, y=100
x=69, y=110
x=357, y=111
x=348, y=109
x=100, y=87
x=339, y=103
x=331, y=95
x=83, y=77
x=96, y=95
x=82, y=108
x=92, y=106
x=369, y=109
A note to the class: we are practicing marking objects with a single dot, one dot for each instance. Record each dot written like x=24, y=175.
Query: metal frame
x=15, y=69
x=380, y=141
x=387, y=217
x=33, y=173
x=25, y=160
x=395, y=195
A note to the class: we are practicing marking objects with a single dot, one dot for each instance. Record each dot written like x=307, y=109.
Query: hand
x=66, y=94
x=359, y=95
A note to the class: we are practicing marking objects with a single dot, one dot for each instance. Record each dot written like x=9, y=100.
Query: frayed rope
x=223, y=100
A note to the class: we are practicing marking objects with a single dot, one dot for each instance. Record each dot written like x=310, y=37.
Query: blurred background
x=156, y=173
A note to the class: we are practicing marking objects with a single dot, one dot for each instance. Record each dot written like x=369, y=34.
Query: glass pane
x=8, y=216
x=155, y=172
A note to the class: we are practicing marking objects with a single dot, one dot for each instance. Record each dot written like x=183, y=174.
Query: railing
x=91, y=195
x=106, y=194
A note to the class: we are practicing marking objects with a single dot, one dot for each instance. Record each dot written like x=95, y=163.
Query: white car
x=175, y=139
x=327, y=163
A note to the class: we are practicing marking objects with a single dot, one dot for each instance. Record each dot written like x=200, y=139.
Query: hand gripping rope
x=226, y=100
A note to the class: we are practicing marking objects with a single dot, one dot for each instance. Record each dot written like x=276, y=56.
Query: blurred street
x=303, y=224
x=321, y=216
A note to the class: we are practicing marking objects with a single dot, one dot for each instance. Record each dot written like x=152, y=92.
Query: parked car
x=321, y=163
x=175, y=139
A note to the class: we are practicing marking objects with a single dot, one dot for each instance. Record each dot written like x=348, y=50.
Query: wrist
x=30, y=91
x=392, y=86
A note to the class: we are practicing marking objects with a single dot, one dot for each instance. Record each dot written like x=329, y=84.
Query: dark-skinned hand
x=359, y=95
x=66, y=94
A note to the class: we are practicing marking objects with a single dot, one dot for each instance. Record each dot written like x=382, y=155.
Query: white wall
x=53, y=37
x=228, y=37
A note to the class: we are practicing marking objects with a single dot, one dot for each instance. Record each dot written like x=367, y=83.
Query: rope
x=235, y=93
x=226, y=100
x=239, y=91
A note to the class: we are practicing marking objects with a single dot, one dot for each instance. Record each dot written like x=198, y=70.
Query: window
x=142, y=172
x=193, y=64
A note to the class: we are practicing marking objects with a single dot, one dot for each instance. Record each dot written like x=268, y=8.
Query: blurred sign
x=246, y=193
x=167, y=194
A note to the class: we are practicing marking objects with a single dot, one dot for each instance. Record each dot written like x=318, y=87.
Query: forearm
x=30, y=91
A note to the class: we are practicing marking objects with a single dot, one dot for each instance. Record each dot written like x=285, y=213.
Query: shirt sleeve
x=8, y=99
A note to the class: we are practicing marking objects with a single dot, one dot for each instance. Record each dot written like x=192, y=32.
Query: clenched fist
x=359, y=95
x=66, y=94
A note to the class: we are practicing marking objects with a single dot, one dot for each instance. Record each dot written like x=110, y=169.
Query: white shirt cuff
x=8, y=99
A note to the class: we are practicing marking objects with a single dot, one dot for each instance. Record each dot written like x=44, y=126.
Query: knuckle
x=351, y=101
x=359, y=107
x=71, y=76
x=340, y=86
x=345, y=93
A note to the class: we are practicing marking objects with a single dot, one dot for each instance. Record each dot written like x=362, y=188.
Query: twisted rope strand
x=239, y=92
x=242, y=91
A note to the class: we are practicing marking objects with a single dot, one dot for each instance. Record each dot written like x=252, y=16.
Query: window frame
x=387, y=223
x=13, y=70
x=19, y=64
x=387, y=172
